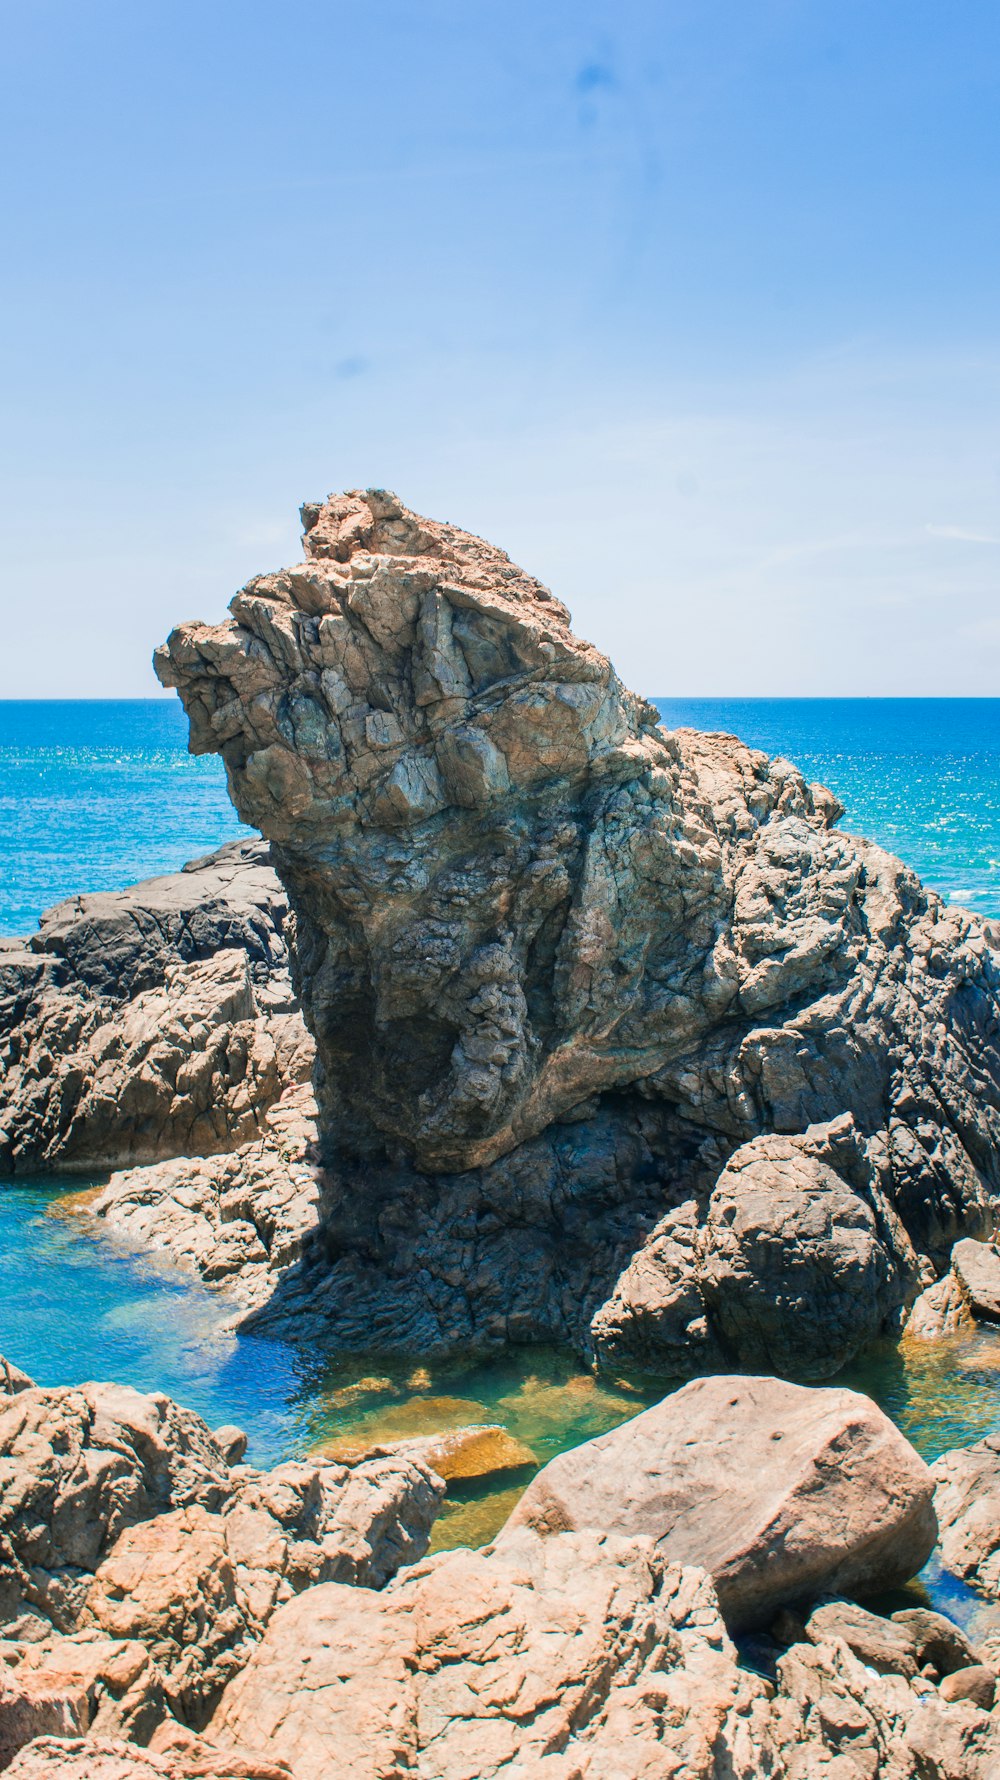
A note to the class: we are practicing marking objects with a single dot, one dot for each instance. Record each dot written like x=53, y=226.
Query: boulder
x=561, y=966
x=781, y=1493
x=794, y=1269
x=976, y=1266
x=977, y=1684
x=968, y=1293
x=967, y=1503
x=936, y=1640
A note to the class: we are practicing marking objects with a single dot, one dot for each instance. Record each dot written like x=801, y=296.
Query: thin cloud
x=960, y=534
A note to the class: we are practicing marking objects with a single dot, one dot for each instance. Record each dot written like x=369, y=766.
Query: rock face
x=563, y=967
x=780, y=1493
x=150, y=1022
x=967, y=1502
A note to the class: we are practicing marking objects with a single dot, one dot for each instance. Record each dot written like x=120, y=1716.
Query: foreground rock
x=571, y=977
x=578, y=1655
x=150, y=1022
x=139, y=1565
x=110, y=1759
x=967, y=1501
x=780, y=1493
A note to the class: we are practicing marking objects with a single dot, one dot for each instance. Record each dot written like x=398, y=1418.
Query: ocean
x=98, y=793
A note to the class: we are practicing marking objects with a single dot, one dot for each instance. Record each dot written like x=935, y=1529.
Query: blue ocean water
x=97, y=793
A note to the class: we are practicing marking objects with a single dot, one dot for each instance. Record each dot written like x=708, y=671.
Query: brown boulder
x=781, y=1493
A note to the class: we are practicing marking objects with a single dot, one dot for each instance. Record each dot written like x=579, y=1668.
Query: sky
x=692, y=307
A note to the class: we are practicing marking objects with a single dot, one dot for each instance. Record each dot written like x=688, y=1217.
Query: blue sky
x=692, y=307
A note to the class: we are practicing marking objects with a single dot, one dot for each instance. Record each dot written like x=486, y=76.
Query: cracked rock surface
x=570, y=977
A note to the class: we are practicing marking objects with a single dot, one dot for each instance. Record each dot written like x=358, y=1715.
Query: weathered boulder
x=789, y=1268
x=150, y=1022
x=967, y=1503
x=936, y=1640
x=879, y=1642
x=968, y=1293
x=781, y=1493
x=560, y=965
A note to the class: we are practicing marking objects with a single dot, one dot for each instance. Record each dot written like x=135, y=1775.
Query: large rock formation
x=561, y=966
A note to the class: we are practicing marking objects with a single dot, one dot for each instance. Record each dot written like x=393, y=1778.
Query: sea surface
x=95, y=795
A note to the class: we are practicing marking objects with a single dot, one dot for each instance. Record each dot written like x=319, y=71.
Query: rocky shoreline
x=167, y=1609
x=532, y=1023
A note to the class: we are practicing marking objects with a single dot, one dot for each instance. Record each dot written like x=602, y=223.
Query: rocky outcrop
x=562, y=968
x=780, y=1493
x=239, y=1220
x=150, y=1022
x=190, y=1616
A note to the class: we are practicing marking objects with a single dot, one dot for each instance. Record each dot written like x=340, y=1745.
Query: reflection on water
x=73, y=1307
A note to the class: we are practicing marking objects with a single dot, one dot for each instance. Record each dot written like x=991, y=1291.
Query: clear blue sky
x=691, y=306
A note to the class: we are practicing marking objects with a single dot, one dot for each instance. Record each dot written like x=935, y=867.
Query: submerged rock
x=781, y=1493
x=564, y=970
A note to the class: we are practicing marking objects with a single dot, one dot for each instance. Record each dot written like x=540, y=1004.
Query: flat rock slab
x=780, y=1492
